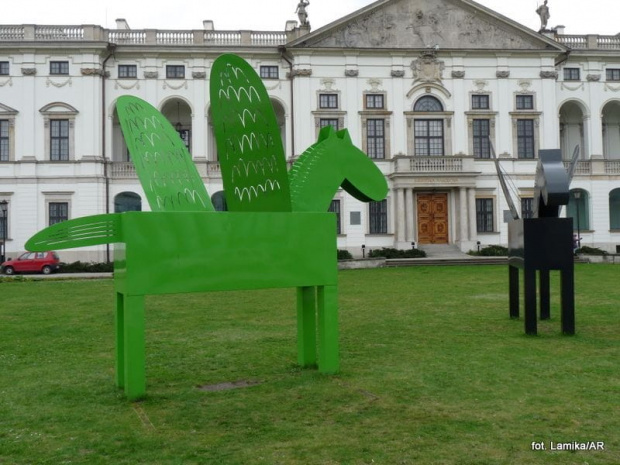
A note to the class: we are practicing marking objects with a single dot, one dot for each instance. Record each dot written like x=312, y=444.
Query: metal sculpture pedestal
x=542, y=244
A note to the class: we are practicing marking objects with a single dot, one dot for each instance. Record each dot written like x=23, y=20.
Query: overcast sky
x=579, y=17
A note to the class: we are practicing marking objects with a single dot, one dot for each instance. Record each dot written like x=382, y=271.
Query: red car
x=33, y=262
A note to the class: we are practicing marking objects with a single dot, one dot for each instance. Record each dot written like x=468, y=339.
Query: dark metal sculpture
x=543, y=243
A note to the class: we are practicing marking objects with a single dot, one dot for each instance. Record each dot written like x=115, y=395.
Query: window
x=377, y=213
x=59, y=139
x=333, y=122
x=571, y=74
x=482, y=148
x=375, y=101
x=480, y=102
x=269, y=72
x=334, y=207
x=527, y=206
x=428, y=103
x=59, y=67
x=428, y=135
x=375, y=138
x=484, y=215
x=612, y=74
x=127, y=202
x=175, y=72
x=58, y=211
x=578, y=209
x=614, y=209
x=4, y=140
x=328, y=101
x=127, y=71
x=525, y=138
x=4, y=230
x=4, y=68
x=525, y=102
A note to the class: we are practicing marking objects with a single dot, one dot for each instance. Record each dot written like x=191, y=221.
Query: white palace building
x=423, y=87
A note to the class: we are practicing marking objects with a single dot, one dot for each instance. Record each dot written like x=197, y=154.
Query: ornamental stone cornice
x=548, y=74
x=92, y=72
x=300, y=73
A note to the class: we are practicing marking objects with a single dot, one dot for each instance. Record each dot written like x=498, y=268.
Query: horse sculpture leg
x=132, y=346
x=120, y=340
x=327, y=297
x=306, y=326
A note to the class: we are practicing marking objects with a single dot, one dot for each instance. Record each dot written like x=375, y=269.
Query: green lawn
x=432, y=372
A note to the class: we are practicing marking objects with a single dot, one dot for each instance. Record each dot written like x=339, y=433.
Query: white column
x=471, y=209
x=463, y=214
x=409, y=218
x=400, y=215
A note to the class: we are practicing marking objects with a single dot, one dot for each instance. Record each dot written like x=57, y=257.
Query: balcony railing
x=123, y=170
x=590, y=41
x=446, y=164
x=612, y=167
x=43, y=33
x=583, y=168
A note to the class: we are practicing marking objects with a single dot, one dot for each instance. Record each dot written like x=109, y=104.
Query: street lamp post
x=577, y=197
x=3, y=211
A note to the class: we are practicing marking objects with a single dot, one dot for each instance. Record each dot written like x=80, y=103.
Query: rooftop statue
x=543, y=12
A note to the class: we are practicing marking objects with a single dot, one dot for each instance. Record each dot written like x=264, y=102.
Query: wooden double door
x=432, y=218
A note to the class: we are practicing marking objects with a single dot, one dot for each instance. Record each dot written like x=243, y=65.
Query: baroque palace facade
x=425, y=88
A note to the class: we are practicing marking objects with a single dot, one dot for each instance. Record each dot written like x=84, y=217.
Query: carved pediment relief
x=448, y=24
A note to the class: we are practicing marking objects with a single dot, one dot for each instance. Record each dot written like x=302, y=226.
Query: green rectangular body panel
x=179, y=252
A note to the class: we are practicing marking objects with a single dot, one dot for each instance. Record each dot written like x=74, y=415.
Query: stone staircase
x=445, y=254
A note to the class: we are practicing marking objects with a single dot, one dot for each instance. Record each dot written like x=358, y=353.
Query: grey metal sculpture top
x=551, y=189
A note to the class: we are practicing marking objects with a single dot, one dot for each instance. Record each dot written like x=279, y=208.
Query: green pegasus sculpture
x=276, y=233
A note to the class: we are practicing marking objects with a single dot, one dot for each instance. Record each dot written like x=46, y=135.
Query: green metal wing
x=248, y=139
x=165, y=168
x=80, y=232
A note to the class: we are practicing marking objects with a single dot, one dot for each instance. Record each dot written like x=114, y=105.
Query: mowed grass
x=433, y=371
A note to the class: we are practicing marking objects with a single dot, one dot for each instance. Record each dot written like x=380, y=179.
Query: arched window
x=614, y=209
x=127, y=202
x=578, y=209
x=428, y=133
x=428, y=103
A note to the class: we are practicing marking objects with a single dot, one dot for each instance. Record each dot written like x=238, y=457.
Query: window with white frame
x=428, y=134
x=59, y=67
x=375, y=101
x=526, y=147
x=127, y=71
x=571, y=74
x=334, y=207
x=59, y=140
x=612, y=74
x=480, y=102
x=375, y=137
x=481, y=130
x=524, y=102
x=484, y=215
x=175, y=72
x=57, y=212
x=377, y=217
x=4, y=140
x=4, y=68
x=328, y=101
x=269, y=72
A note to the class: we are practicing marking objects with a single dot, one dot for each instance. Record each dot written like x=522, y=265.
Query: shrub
x=386, y=252
x=344, y=255
x=84, y=267
x=491, y=251
x=591, y=250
